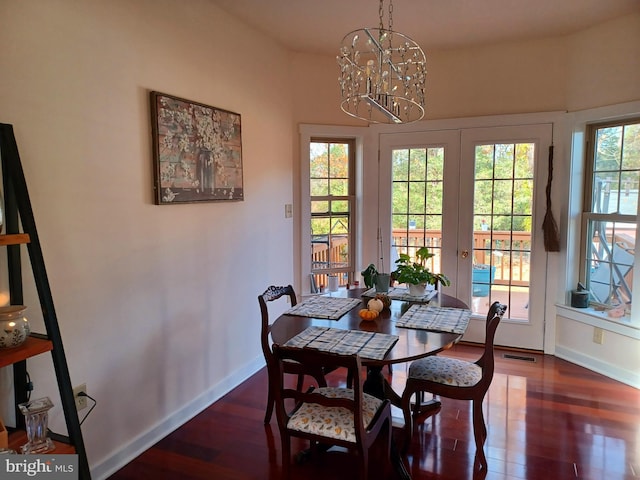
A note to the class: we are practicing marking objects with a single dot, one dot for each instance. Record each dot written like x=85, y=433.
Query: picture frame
x=197, y=151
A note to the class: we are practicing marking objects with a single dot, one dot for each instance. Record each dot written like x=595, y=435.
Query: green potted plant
x=416, y=275
x=369, y=275
x=373, y=278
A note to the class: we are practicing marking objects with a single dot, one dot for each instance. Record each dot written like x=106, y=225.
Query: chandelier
x=382, y=74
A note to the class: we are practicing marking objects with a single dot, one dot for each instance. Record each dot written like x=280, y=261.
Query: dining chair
x=346, y=417
x=271, y=294
x=456, y=379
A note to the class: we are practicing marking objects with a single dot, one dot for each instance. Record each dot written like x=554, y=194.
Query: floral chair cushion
x=332, y=422
x=448, y=371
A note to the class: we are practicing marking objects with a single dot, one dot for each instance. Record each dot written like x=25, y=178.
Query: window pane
x=417, y=185
x=503, y=208
x=331, y=197
x=484, y=162
x=503, y=167
x=339, y=188
x=611, y=258
x=340, y=206
x=339, y=161
x=608, y=149
x=522, y=203
x=483, y=192
x=503, y=195
x=434, y=197
x=417, y=197
x=400, y=197
x=629, y=193
x=610, y=240
x=524, y=160
x=400, y=166
x=417, y=164
x=319, y=187
x=319, y=206
x=319, y=227
x=319, y=165
x=401, y=222
x=631, y=148
x=435, y=165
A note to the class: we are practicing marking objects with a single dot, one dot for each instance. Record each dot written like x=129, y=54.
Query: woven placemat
x=345, y=342
x=438, y=319
x=324, y=307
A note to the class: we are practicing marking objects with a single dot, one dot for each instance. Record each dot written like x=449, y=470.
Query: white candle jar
x=14, y=326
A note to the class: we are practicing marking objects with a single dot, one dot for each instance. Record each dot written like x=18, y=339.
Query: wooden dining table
x=412, y=344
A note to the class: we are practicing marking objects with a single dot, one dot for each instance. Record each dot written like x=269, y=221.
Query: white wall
x=157, y=304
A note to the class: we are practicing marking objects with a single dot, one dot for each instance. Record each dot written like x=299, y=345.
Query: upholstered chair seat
x=333, y=422
x=328, y=415
x=448, y=371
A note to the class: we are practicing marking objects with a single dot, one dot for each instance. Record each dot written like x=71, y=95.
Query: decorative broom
x=549, y=225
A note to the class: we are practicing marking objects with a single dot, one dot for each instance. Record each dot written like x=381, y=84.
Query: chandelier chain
x=381, y=16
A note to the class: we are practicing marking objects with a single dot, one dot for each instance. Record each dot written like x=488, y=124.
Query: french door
x=475, y=198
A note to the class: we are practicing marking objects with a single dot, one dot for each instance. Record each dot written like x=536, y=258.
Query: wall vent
x=524, y=358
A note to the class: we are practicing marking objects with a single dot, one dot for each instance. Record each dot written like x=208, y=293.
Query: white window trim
x=307, y=132
x=577, y=127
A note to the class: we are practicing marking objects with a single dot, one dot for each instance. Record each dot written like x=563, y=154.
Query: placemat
x=439, y=319
x=401, y=293
x=345, y=342
x=323, y=307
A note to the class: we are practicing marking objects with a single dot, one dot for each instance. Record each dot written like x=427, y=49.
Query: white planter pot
x=419, y=290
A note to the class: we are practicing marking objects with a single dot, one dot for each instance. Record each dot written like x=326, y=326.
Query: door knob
x=464, y=254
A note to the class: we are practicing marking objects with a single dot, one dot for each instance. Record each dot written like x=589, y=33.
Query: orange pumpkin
x=367, y=314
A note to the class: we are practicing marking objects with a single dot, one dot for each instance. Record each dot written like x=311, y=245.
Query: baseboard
x=614, y=372
x=144, y=441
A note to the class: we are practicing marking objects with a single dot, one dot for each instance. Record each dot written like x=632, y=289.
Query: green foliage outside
x=503, y=195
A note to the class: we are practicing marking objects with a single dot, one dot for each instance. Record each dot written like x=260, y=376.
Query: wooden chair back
x=418, y=383
x=271, y=294
x=486, y=361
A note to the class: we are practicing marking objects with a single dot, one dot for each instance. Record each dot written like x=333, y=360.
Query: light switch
x=288, y=210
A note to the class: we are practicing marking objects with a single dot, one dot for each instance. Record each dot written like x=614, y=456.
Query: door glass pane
x=416, y=215
x=503, y=206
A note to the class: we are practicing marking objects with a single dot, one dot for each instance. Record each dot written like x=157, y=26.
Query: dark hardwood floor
x=546, y=418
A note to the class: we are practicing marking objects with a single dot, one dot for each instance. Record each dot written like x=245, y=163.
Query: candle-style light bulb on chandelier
x=382, y=74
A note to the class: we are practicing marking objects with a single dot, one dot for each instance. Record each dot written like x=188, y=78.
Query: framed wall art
x=197, y=151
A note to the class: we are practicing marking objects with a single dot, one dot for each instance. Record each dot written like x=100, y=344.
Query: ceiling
x=317, y=26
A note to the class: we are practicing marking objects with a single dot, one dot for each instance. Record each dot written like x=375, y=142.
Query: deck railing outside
x=508, y=252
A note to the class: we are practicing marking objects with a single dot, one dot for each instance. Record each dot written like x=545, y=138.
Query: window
x=417, y=186
x=332, y=197
x=610, y=212
x=503, y=217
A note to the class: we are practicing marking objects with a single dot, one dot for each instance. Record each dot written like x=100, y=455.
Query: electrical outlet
x=598, y=335
x=81, y=400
